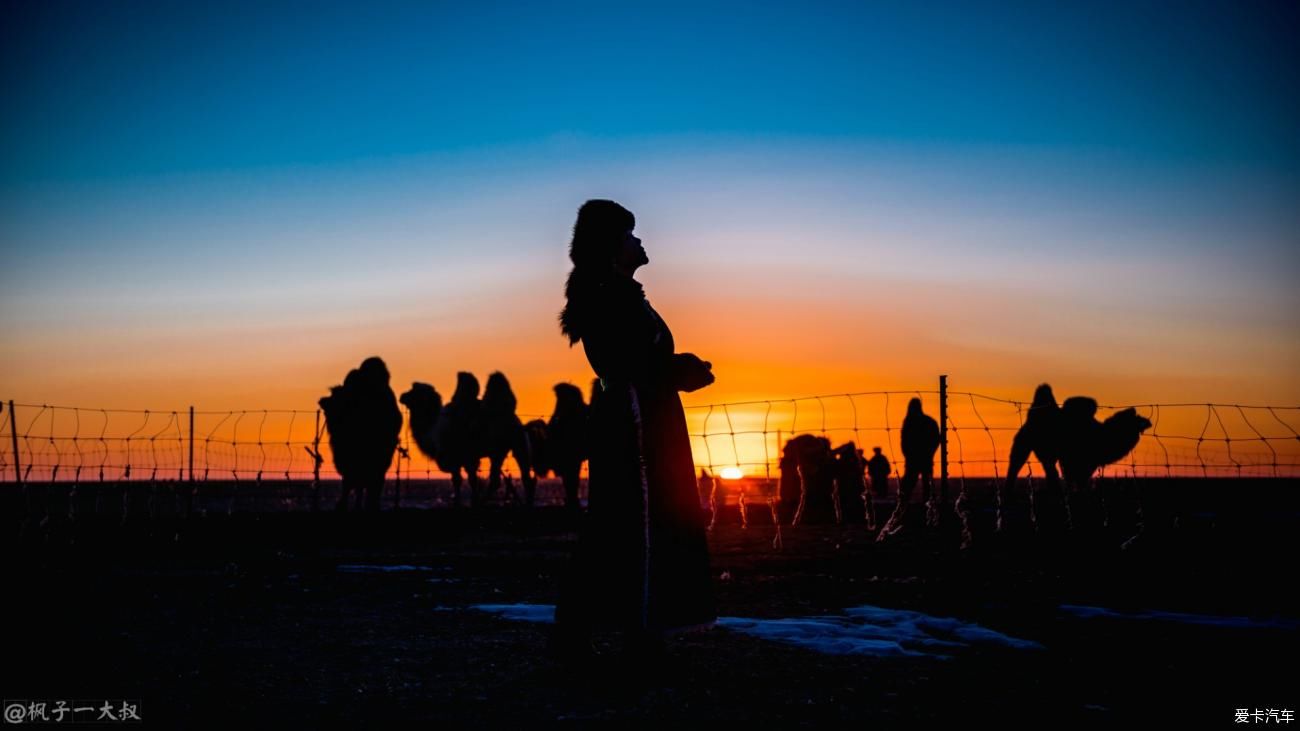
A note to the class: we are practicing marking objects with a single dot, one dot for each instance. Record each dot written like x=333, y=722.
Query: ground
x=275, y=618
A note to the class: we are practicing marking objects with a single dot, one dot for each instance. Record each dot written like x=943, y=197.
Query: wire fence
x=1185, y=439
x=53, y=443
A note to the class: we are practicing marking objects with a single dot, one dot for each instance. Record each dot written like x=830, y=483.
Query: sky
x=231, y=206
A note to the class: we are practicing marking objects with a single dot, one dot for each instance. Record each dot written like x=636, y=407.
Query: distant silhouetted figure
x=878, y=469
x=364, y=424
x=920, y=442
x=641, y=563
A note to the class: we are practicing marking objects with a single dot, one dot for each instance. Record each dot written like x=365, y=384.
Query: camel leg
x=836, y=496
x=1099, y=489
x=962, y=507
x=1070, y=493
x=932, y=501
x=455, y=486
x=475, y=485
x=530, y=488
x=1052, y=481
x=342, y=504
x=1019, y=456
x=572, y=480
x=374, y=492
x=803, y=497
x=869, y=506
x=523, y=452
x=905, y=487
x=494, y=476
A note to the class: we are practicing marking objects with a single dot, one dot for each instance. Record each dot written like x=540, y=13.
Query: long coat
x=642, y=558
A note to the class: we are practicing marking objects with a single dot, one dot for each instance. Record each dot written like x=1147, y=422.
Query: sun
x=731, y=473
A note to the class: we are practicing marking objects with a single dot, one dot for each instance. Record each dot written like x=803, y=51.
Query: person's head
x=603, y=244
x=875, y=450
x=914, y=406
x=603, y=240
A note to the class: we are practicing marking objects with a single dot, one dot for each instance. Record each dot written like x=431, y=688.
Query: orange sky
x=809, y=274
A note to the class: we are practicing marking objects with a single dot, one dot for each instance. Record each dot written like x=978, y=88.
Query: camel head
x=425, y=404
x=422, y=399
x=1122, y=431
x=330, y=404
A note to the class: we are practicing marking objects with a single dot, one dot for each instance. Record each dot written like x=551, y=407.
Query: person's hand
x=690, y=373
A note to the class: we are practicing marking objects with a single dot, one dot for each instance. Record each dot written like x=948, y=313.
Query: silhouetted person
x=364, y=423
x=641, y=564
x=920, y=441
x=878, y=469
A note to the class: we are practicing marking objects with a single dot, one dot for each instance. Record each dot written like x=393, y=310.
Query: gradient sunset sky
x=230, y=206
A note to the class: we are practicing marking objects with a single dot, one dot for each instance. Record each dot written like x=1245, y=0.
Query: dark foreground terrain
x=273, y=619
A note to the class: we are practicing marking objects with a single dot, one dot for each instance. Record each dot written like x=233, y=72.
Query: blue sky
x=99, y=90
x=1104, y=194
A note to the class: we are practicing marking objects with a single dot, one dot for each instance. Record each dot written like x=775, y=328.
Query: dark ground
x=246, y=619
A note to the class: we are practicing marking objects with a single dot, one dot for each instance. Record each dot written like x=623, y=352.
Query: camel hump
x=1083, y=407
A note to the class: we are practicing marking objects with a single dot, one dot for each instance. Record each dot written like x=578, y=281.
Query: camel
x=459, y=434
x=807, y=487
x=1071, y=436
x=363, y=422
x=566, y=445
x=500, y=433
x=443, y=432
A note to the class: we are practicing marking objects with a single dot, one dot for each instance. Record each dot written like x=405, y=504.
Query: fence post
x=13, y=432
x=943, y=437
x=189, y=493
x=191, y=444
x=316, y=460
